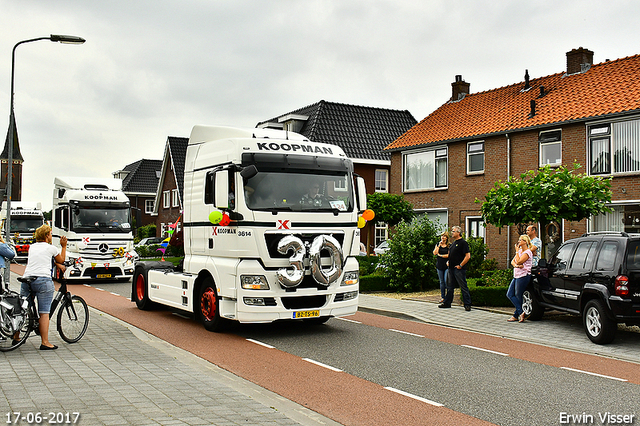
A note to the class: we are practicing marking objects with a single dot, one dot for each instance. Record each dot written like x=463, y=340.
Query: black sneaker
x=444, y=305
x=467, y=308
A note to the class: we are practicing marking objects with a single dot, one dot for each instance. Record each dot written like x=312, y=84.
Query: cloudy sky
x=152, y=69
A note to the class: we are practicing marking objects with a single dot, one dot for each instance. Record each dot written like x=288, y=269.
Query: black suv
x=597, y=276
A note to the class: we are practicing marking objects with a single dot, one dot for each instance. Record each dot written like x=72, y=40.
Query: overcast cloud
x=153, y=69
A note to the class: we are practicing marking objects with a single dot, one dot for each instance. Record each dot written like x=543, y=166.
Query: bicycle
x=19, y=313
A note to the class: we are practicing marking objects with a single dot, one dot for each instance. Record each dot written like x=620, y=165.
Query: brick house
x=588, y=114
x=170, y=188
x=362, y=132
x=139, y=183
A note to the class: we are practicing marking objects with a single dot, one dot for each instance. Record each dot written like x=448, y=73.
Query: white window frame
x=618, y=136
x=384, y=187
x=381, y=233
x=175, y=202
x=548, y=144
x=148, y=206
x=470, y=154
x=480, y=229
x=166, y=199
x=436, y=155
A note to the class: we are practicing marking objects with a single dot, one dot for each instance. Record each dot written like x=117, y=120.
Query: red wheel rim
x=140, y=287
x=208, y=304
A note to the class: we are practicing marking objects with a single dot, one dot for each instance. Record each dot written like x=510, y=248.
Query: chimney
x=579, y=60
x=459, y=89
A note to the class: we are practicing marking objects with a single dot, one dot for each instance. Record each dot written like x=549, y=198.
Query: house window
x=622, y=218
x=475, y=157
x=166, y=199
x=550, y=148
x=615, y=147
x=425, y=170
x=148, y=206
x=382, y=230
x=475, y=227
x=174, y=198
x=382, y=180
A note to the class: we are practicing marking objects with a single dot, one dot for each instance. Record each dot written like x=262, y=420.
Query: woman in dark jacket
x=442, y=252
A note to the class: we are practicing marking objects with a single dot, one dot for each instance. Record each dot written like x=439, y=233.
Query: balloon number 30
x=293, y=277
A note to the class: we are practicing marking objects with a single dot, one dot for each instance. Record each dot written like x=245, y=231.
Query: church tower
x=16, y=183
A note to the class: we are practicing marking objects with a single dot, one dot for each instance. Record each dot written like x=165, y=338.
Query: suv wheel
x=530, y=306
x=599, y=328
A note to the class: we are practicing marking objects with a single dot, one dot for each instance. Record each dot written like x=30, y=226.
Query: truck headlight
x=254, y=282
x=350, y=278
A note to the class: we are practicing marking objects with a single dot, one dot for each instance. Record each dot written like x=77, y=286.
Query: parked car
x=149, y=241
x=596, y=276
x=382, y=248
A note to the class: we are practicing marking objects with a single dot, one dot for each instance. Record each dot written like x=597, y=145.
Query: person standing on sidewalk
x=40, y=265
x=441, y=251
x=536, y=243
x=459, y=256
x=521, y=263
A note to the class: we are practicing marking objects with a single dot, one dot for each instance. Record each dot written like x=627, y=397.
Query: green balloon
x=215, y=217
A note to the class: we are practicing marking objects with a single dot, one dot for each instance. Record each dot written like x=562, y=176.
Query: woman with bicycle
x=39, y=265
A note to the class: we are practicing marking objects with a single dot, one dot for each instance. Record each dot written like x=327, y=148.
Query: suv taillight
x=622, y=285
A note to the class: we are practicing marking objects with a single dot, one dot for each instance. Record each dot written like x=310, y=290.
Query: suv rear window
x=633, y=255
x=607, y=257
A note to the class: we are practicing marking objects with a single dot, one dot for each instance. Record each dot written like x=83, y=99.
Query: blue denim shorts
x=43, y=289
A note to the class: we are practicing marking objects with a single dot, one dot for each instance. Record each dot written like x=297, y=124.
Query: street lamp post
x=66, y=39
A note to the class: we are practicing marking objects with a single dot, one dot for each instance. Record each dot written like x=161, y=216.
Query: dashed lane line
x=484, y=350
x=260, y=343
x=594, y=374
x=416, y=397
x=348, y=320
x=322, y=365
x=405, y=332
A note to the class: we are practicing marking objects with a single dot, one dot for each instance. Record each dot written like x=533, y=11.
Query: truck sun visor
x=271, y=162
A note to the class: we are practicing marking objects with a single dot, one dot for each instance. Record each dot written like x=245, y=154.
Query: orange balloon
x=368, y=214
x=225, y=220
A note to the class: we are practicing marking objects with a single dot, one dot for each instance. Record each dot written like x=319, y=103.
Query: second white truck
x=95, y=216
x=26, y=217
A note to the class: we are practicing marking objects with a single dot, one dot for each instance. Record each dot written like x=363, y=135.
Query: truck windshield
x=299, y=191
x=100, y=219
x=26, y=223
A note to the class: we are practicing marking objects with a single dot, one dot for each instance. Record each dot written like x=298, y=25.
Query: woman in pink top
x=521, y=263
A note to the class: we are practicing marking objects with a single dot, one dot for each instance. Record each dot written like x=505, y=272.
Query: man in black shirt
x=459, y=256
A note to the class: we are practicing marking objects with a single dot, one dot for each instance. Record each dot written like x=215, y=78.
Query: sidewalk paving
x=559, y=331
x=120, y=375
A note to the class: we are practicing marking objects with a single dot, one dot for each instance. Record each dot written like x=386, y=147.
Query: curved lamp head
x=67, y=39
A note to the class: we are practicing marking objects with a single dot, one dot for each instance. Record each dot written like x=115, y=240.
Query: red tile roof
x=611, y=87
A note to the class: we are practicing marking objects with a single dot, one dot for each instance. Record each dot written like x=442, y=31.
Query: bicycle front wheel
x=73, y=319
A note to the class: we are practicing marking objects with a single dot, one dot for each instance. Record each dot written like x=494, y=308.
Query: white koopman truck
x=26, y=217
x=270, y=231
x=95, y=216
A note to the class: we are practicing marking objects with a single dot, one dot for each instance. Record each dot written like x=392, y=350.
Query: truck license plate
x=103, y=276
x=306, y=314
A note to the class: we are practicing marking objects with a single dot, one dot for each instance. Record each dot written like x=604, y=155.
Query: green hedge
x=490, y=296
x=374, y=283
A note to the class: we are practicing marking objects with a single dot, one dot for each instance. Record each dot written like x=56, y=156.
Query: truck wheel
x=530, y=306
x=207, y=306
x=598, y=326
x=140, y=288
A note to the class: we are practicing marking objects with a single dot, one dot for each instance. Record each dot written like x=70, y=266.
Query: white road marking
x=427, y=401
x=322, y=365
x=594, y=374
x=348, y=320
x=260, y=343
x=484, y=350
x=405, y=332
x=115, y=294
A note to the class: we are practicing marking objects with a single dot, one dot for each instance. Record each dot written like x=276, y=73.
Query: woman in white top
x=521, y=263
x=40, y=265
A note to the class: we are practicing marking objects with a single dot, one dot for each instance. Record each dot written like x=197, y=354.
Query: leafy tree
x=390, y=208
x=545, y=196
x=409, y=262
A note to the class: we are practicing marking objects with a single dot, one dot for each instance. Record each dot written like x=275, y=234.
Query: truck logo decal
x=284, y=224
x=86, y=240
x=103, y=248
x=263, y=146
x=222, y=230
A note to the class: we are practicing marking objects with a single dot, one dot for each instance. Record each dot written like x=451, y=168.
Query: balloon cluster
x=165, y=243
x=367, y=215
x=219, y=218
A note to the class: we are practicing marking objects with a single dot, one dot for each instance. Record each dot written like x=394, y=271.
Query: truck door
x=579, y=273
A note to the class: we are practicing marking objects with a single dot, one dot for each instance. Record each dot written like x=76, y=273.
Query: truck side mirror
x=249, y=172
x=222, y=190
x=361, y=193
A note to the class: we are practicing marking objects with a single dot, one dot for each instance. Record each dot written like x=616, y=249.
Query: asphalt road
x=452, y=369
